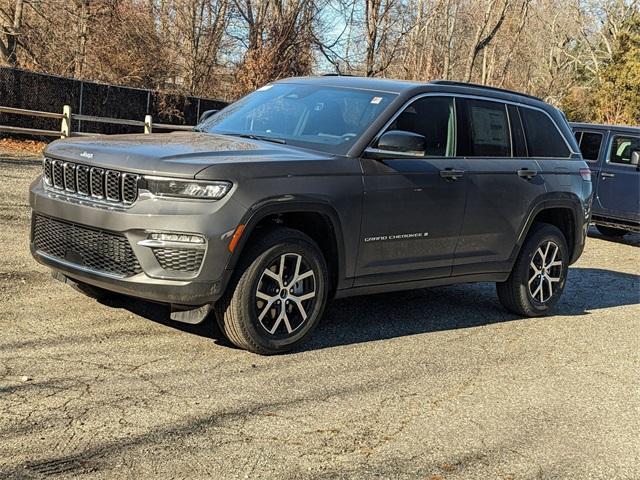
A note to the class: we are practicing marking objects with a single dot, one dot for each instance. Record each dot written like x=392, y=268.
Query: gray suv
x=613, y=154
x=318, y=188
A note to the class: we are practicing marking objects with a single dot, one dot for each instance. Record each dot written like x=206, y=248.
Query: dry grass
x=22, y=147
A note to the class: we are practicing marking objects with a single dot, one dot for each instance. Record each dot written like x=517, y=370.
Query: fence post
x=148, y=124
x=65, y=127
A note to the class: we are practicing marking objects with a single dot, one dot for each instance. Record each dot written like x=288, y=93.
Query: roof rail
x=485, y=87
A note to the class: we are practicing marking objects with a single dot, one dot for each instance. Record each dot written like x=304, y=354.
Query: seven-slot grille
x=96, y=183
x=87, y=247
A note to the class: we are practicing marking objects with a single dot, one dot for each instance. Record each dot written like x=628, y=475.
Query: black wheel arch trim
x=290, y=204
x=554, y=200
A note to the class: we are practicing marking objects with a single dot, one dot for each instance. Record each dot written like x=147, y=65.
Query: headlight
x=171, y=187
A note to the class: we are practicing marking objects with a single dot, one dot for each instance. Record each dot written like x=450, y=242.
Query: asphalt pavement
x=428, y=384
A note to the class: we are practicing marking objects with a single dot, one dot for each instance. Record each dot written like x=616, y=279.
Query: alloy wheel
x=285, y=295
x=545, y=272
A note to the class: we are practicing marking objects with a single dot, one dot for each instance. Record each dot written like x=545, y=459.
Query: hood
x=181, y=154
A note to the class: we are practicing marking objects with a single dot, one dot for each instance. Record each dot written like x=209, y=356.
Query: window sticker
x=376, y=100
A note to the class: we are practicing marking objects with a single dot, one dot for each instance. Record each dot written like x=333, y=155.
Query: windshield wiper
x=259, y=137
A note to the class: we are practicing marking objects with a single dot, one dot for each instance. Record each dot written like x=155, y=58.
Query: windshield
x=323, y=118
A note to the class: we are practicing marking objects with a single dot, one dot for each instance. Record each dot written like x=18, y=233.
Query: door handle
x=451, y=173
x=526, y=173
x=608, y=175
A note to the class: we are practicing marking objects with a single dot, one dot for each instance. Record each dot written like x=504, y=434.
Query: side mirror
x=402, y=142
x=635, y=158
x=206, y=114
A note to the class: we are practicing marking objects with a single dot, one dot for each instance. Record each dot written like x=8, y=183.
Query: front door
x=413, y=204
x=618, y=186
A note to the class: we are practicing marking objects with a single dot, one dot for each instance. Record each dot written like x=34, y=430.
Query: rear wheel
x=539, y=274
x=277, y=295
x=611, y=231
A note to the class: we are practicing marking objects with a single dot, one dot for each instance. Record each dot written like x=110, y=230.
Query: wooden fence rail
x=67, y=115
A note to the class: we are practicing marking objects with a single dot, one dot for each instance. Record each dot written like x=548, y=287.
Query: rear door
x=619, y=183
x=592, y=145
x=413, y=208
x=503, y=184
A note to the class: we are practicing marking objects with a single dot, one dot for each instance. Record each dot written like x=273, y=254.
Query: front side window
x=589, y=143
x=329, y=119
x=434, y=119
x=621, y=149
x=543, y=138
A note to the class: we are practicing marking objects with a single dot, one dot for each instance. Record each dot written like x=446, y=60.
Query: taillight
x=585, y=173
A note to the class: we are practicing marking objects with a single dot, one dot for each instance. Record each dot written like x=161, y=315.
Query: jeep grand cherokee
x=313, y=188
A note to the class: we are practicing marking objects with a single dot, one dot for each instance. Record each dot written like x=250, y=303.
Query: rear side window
x=621, y=149
x=543, y=137
x=589, y=143
x=485, y=128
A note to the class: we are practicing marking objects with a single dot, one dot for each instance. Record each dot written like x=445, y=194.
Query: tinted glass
x=488, y=128
x=517, y=133
x=621, y=149
x=590, y=145
x=319, y=117
x=543, y=137
x=434, y=119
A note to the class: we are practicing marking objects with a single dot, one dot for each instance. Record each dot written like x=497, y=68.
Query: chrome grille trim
x=82, y=180
x=47, y=171
x=70, y=177
x=129, y=187
x=112, y=185
x=58, y=174
x=96, y=182
x=99, y=185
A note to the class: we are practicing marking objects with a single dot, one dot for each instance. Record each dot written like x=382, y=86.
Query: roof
x=400, y=87
x=599, y=126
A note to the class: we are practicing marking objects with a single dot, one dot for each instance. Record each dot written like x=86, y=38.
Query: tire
x=250, y=314
x=515, y=294
x=611, y=231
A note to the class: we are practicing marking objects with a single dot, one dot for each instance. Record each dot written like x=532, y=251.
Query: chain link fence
x=49, y=93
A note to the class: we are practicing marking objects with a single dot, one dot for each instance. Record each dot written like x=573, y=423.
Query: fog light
x=177, y=237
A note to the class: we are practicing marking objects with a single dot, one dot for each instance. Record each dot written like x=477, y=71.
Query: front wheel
x=539, y=274
x=277, y=295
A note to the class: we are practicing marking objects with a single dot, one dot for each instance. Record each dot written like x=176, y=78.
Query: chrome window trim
x=474, y=97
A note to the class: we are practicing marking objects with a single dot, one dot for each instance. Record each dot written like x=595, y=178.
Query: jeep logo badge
x=87, y=155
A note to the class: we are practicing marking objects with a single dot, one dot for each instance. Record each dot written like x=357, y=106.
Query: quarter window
x=589, y=143
x=543, y=137
x=434, y=119
x=621, y=149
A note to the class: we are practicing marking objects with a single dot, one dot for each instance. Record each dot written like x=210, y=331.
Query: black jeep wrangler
x=311, y=188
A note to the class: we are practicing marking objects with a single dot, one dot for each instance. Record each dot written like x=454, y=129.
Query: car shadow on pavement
x=390, y=315
x=632, y=239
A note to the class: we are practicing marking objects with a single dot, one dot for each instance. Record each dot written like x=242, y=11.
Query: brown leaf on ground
x=22, y=146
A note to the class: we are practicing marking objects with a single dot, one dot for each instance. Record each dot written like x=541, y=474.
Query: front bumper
x=215, y=221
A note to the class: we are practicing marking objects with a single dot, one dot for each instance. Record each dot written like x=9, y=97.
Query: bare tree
x=485, y=33
x=11, y=23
